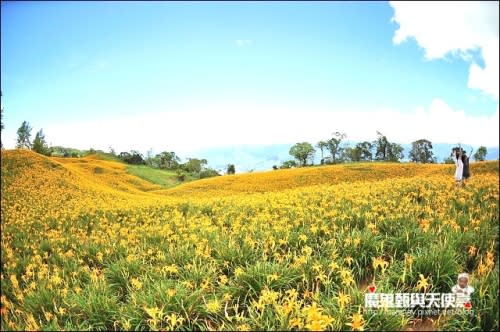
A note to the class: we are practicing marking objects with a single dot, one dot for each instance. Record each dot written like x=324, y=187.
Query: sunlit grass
x=164, y=178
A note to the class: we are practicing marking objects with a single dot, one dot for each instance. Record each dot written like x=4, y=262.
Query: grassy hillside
x=161, y=177
x=88, y=246
x=105, y=164
x=36, y=186
x=331, y=174
x=106, y=172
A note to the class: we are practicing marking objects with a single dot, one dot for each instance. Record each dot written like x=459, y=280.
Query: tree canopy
x=24, y=136
x=231, y=169
x=421, y=152
x=302, y=152
x=387, y=151
x=333, y=145
x=481, y=153
x=39, y=144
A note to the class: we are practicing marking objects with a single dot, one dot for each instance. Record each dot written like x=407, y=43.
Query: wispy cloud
x=243, y=42
x=443, y=28
x=436, y=121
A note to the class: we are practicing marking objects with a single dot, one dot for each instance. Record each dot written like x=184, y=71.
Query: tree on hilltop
x=480, y=154
x=302, y=152
x=231, y=169
x=24, y=136
x=333, y=145
x=322, y=145
x=421, y=152
x=39, y=144
x=385, y=150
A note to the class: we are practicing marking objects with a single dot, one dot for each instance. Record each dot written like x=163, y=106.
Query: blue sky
x=188, y=76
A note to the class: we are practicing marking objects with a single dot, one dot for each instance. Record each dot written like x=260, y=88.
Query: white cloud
x=456, y=28
x=189, y=130
x=486, y=79
x=243, y=42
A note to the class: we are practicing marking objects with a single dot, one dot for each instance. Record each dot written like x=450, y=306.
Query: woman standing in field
x=456, y=155
x=466, y=172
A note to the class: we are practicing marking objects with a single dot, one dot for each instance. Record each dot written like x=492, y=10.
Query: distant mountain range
x=248, y=158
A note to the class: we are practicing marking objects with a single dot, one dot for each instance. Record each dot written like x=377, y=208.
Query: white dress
x=468, y=290
x=460, y=167
x=463, y=296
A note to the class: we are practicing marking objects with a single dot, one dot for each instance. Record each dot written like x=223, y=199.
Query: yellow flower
x=312, y=312
x=136, y=284
x=213, y=306
x=205, y=285
x=379, y=262
x=315, y=319
x=425, y=224
x=31, y=324
x=173, y=269
x=268, y=296
x=188, y=284
x=422, y=283
x=223, y=279
x=490, y=258
x=307, y=250
x=258, y=305
x=13, y=281
x=295, y=323
x=156, y=315
x=226, y=297
x=482, y=268
x=333, y=266
x=357, y=323
x=317, y=267
x=56, y=280
x=342, y=300
x=346, y=277
x=272, y=277
x=126, y=325
x=238, y=271
x=173, y=319
x=372, y=227
x=472, y=250
x=348, y=260
x=154, y=312
x=60, y=311
x=243, y=327
x=171, y=292
x=48, y=315
x=315, y=325
x=408, y=260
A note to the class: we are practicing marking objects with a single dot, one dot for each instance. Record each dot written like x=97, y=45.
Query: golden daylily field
x=85, y=245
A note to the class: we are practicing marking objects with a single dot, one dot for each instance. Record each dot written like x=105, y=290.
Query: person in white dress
x=462, y=285
x=456, y=155
x=462, y=290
